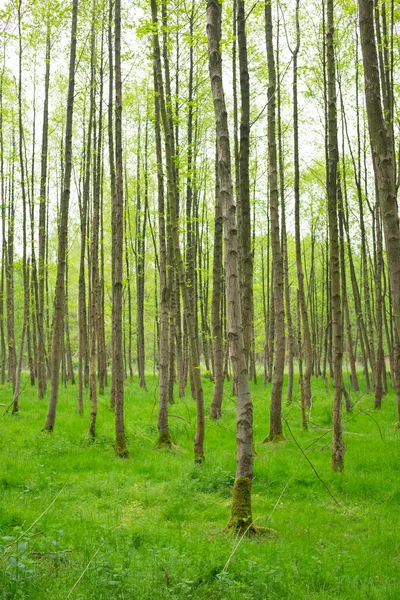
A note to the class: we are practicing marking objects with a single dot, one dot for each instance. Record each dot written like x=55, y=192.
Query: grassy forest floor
x=152, y=526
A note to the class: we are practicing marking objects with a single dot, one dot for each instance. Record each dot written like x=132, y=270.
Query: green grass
x=153, y=525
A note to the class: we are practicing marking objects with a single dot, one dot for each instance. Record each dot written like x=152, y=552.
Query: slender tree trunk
x=275, y=433
x=379, y=369
x=383, y=156
x=3, y=239
x=164, y=436
x=171, y=180
x=244, y=182
x=12, y=355
x=111, y=152
x=338, y=448
x=241, y=513
x=59, y=300
x=218, y=349
x=117, y=242
x=290, y=335
x=306, y=385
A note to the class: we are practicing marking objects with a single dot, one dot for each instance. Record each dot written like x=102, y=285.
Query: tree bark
x=59, y=300
x=241, y=513
x=118, y=242
x=275, y=432
x=338, y=448
x=171, y=186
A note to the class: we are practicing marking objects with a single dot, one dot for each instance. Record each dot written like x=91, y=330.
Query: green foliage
x=153, y=525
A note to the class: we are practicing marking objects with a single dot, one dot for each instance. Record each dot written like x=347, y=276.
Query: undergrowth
x=153, y=526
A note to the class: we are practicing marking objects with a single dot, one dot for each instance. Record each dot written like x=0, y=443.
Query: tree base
x=92, y=427
x=120, y=446
x=215, y=413
x=164, y=440
x=274, y=438
x=199, y=459
x=241, y=517
x=337, y=466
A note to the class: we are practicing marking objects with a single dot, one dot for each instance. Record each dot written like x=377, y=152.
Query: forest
x=199, y=299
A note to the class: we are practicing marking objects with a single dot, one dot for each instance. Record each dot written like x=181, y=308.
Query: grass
x=152, y=526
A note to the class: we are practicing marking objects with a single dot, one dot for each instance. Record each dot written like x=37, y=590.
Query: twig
x=236, y=546
x=34, y=522
x=179, y=417
x=85, y=569
x=376, y=423
x=39, y=554
x=12, y=401
x=310, y=463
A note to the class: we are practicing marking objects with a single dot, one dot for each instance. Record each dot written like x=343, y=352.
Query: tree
x=117, y=251
x=241, y=513
x=59, y=299
x=171, y=190
x=333, y=157
x=379, y=114
x=275, y=430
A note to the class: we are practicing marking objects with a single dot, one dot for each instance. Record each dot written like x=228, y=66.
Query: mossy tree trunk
x=241, y=512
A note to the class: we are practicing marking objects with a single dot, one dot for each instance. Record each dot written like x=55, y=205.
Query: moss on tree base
x=164, y=440
x=120, y=446
x=199, y=459
x=241, y=517
x=274, y=438
x=241, y=521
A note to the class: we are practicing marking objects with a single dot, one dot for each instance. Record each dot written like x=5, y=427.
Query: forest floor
x=77, y=522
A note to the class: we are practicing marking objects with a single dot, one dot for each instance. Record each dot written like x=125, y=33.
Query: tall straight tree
x=380, y=131
x=164, y=435
x=336, y=309
x=171, y=187
x=59, y=298
x=117, y=251
x=41, y=361
x=306, y=378
x=275, y=431
x=218, y=349
x=244, y=181
x=3, y=237
x=111, y=146
x=241, y=513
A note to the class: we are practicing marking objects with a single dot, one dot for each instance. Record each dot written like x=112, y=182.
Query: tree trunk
x=59, y=300
x=241, y=513
x=164, y=436
x=117, y=243
x=171, y=186
x=244, y=182
x=275, y=431
x=218, y=349
x=382, y=153
x=338, y=448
